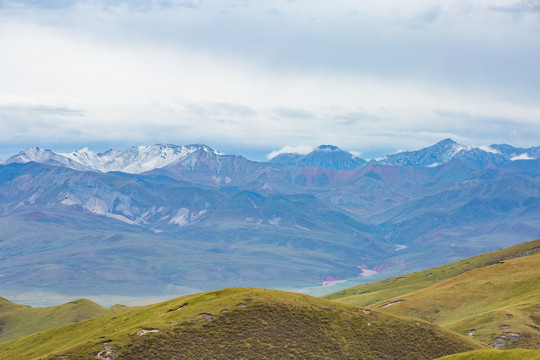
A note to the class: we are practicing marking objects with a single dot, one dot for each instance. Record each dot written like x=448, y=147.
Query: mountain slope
x=134, y=160
x=494, y=297
x=447, y=150
x=379, y=291
x=516, y=153
x=242, y=323
x=20, y=320
x=207, y=220
x=323, y=157
x=495, y=355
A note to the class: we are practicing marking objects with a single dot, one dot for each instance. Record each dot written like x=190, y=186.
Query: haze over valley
x=166, y=220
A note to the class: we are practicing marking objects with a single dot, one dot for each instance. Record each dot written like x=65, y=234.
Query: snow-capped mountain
x=195, y=158
x=515, y=153
x=323, y=157
x=44, y=156
x=448, y=150
x=200, y=218
x=135, y=160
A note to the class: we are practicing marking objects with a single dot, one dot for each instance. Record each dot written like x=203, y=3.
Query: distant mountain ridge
x=139, y=159
x=134, y=160
x=448, y=150
x=162, y=217
x=323, y=157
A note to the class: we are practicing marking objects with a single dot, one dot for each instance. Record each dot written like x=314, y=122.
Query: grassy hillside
x=20, y=320
x=495, y=355
x=367, y=294
x=243, y=323
x=494, y=297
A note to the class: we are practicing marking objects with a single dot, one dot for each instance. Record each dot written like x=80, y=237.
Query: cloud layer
x=363, y=75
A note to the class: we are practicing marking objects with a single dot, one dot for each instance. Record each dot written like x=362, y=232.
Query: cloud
x=136, y=5
x=355, y=153
x=287, y=149
x=489, y=149
x=234, y=75
x=426, y=18
x=292, y=113
x=523, y=156
x=521, y=7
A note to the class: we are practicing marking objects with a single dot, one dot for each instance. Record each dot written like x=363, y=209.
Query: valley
x=476, y=294
x=183, y=219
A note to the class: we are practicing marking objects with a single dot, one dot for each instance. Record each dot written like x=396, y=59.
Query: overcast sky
x=252, y=77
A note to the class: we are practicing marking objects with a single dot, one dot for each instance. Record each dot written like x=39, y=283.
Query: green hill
x=20, y=320
x=494, y=297
x=495, y=355
x=243, y=323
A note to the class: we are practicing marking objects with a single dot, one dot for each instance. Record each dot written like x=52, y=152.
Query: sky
x=261, y=77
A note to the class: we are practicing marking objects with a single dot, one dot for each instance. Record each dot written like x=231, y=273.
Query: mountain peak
x=36, y=154
x=328, y=157
x=445, y=151
x=447, y=141
x=327, y=148
x=206, y=148
x=136, y=159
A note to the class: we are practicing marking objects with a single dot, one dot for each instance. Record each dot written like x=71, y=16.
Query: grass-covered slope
x=494, y=297
x=367, y=294
x=243, y=323
x=518, y=354
x=20, y=320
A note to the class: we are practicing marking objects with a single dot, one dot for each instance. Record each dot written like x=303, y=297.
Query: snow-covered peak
x=31, y=154
x=431, y=156
x=44, y=156
x=448, y=150
x=134, y=160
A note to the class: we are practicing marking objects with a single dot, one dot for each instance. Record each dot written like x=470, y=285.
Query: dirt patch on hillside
x=108, y=353
x=207, y=317
x=391, y=303
x=144, y=332
x=502, y=340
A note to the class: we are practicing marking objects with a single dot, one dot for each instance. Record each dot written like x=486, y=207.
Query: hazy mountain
x=134, y=160
x=445, y=151
x=139, y=159
x=205, y=219
x=323, y=157
x=516, y=153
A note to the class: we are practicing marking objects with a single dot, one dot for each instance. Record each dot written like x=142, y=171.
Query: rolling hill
x=495, y=355
x=242, y=323
x=20, y=320
x=493, y=297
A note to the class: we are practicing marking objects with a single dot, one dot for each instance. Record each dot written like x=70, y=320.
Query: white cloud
x=355, y=153
x=489, y=149
x=365, y=75
x=523, y=156
x=300, y=149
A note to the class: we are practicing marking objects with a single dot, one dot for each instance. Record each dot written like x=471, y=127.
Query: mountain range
x=140, y=159
x=169, y=219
